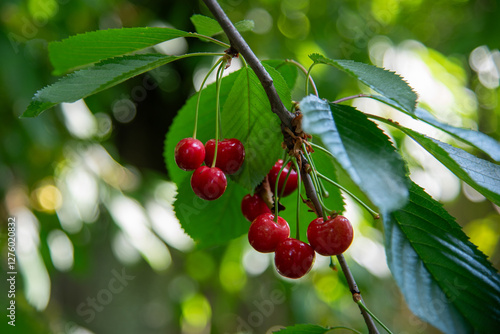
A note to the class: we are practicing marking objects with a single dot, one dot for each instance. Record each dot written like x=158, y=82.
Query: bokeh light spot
x=196, y=313
x=49, y=198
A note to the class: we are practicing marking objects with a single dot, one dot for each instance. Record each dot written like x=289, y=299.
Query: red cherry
x=291, y=183
x=265, y=233
x=253, y=206
x=332, y=237
x=230, y=154
x=208, y=183
x=189, y=153
x=293, y=258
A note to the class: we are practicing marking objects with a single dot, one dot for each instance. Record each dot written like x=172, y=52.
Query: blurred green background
x=99, y=249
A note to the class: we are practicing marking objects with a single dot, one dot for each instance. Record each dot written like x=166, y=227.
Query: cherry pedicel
x=253, y=206
x=293, y=258
x=265, y=233
x=230, y=154
x=291, y=183
x=332, y=237
x=208, y=182
x=189, y=154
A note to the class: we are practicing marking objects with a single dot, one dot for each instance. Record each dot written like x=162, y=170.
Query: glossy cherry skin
x=265, y=234
x=331, y=237
x=291, y=183
x=208, y=183
x=293, y=258
x=189, y=154
x=230, y=154
x=253, y=206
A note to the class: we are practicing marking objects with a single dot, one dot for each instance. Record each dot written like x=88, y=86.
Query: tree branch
x=240, y=45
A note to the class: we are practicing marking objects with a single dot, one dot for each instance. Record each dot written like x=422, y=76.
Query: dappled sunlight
x=130, y=216
x=167, y=226
x=31, y=265
x=430, y=174
x=486, y=63
x=255, y=263
x=61, y=250
x=79, y=120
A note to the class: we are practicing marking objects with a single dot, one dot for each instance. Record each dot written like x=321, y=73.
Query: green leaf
x=211, y=223
x=207, y=26
x=361, y=148
x=303, y=329
x=99, y=77
x=477, y=139
x=247, y=116
x=385, y=82
x=480, y=174
x=445, y=279
x=88, y=48
x=288, y=71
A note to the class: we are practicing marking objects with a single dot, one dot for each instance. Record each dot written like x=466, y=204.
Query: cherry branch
x=240, y=45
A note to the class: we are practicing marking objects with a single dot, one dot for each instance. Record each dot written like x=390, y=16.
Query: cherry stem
x=362, y=305
x=318, y=184
x=297, y=233
x=351, y=98
x=308, y=75
x=210, y=39
x=218, y=79
x=374, y=214
x=199, y=96
x=309, y=78
x=276, y=196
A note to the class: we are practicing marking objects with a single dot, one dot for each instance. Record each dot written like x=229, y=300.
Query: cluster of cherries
x=293, y=258
x=209, y=182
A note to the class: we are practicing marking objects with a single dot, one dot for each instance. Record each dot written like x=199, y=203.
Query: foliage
x=445, y=279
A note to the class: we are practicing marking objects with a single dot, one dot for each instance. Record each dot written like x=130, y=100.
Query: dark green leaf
x=84, y=49
x=247, y=116
x=99, y=77
x=385, y=82
x=303, y=329
x=446, y=280
x=474, y=138
x=361, y=148
x=211, y=223
x=477, y=139
x=207, y=26
x=480, y=174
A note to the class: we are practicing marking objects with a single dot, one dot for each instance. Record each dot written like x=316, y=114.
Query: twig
x=238, y=43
